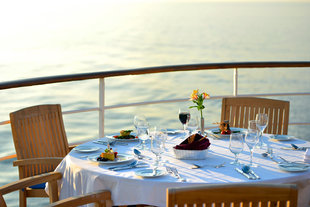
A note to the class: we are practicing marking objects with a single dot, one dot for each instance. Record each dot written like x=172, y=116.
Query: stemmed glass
x=236, y=146
x=184, y=117
x=157, y=147
x=192, y=124
x=251, y=139
x=164, y=135
x=140, y=121
x=261, y=123
x=142, y=132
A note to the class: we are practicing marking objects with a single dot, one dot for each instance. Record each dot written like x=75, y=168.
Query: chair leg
x=22, y=198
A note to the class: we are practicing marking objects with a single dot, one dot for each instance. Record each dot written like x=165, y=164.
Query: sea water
x=44, y=38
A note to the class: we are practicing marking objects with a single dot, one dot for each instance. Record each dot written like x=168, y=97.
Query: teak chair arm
x=39, y=160
x=50, y=177
x=101, y=198
x=72, y=146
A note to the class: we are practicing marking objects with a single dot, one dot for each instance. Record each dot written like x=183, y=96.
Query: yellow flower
x=205, y=95
x=194, y=95
x=198, y=99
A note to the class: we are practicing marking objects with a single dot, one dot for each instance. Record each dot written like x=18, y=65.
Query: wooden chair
x=40, y=143
x=100, y=198
x=239, y=110
x=245, y=194
x=51, y=178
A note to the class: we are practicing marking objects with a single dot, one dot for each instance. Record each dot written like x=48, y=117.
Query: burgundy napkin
x=194, y=142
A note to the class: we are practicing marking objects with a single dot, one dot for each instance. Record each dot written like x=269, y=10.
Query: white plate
x=279, y=137
x=121, y=158
x=149, y=173
x=86, y=148
x=294, y=168
x=223, y=136
x=174, y=131
x=110, y=137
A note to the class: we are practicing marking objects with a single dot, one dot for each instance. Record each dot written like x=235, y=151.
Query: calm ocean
x=44, y=38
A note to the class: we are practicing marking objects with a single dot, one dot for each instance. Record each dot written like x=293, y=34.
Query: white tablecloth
x=82, y=176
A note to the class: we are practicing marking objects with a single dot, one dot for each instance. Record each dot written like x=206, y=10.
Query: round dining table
x=82, y=173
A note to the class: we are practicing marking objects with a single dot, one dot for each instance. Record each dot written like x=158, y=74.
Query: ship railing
x=152, y=70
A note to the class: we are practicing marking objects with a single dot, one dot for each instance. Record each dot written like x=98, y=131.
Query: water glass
x=251, y=139
x=164, y=134
x=139, y=120
x=157, y=147
x=236, y=146
x=261, y=123
x=192, y=125
x=142, y=132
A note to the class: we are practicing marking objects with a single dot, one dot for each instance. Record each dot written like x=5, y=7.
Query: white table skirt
x=82, y=176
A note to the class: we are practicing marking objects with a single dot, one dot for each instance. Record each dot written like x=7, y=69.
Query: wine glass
x=152, y=131
x=142, y=132
x=164, y=134
x=157, y=147
x=251, y=139
x=261, y=123
x=139, y=120
x=184, y=117
x=192, y=124
x=236, y=146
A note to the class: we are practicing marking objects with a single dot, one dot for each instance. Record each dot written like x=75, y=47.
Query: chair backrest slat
x=245, y=194
x=239, y=110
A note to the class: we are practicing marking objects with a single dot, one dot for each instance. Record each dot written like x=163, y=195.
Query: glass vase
x=202, y=125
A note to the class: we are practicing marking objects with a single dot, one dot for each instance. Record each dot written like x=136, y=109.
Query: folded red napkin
x=194, y=142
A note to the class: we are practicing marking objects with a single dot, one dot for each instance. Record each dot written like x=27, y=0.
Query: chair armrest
x=72, y=146
x=102, y=197
x=29, y=181
x=40, y=160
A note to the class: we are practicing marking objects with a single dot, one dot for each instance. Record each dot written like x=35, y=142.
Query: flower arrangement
x=198, y=99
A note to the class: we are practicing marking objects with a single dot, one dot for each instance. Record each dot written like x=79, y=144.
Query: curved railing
x=148, y=70
x=152, y=70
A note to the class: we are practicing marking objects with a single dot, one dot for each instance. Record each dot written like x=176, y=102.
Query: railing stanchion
x=235, y=82
x=101, y=107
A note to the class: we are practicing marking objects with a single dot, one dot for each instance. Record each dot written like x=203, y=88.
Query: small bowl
x=190, y=154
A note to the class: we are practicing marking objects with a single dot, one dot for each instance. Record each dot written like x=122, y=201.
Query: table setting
x=136, y=167
x=138, y=171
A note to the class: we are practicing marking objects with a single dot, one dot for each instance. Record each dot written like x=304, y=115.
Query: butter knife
x=245, y=174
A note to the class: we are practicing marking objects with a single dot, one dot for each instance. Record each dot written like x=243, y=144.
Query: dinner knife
x=119, y=166
x=128, y=167
x=245, y=174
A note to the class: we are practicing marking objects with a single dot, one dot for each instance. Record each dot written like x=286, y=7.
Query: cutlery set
x=248, y=173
